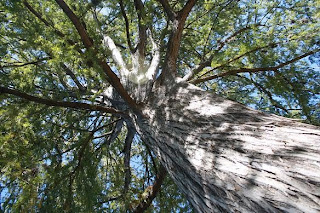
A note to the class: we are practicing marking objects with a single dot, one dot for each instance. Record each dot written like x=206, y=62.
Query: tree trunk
x=226, y=157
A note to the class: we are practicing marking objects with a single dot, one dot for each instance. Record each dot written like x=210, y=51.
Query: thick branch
x=67, y=104
x=115, y=132
x=127, y=156
x=197, y=69
x=141, y=46
x=252, y=70
x=152, y=70
x=116, y=55
x=152, y=191
x=178, y=23
x=186, y=9
x=167, y=9
x=88, y=42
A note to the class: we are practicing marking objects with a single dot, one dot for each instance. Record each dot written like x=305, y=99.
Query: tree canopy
x=65, y=146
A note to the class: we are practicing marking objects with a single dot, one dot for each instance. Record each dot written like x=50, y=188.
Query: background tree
x=98, y=103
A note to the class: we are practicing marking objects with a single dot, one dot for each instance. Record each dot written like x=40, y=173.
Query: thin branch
x=152, y=159
x=67, y=126
x=104, y=126
x=253, y=70
x=201, y=15
x=113, y=134
x=127, y=25
x=89, y=62
x=223, y=7
x=266, y=92
x=21, y=64
x=196, y=71
x=66, y=104
x=39, y=16
x=232, y=36
x=103, y=135
x=109, y=199
x=81, y=152
x=272, y=45
x=206, y=63
x=73, y=76
x=152, y=191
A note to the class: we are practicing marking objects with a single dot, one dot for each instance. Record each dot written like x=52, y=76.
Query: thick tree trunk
x=229, y=158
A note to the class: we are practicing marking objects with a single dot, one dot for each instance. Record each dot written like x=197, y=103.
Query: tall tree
x=100, y=99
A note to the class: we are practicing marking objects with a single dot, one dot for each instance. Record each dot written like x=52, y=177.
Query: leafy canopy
x=56, y=156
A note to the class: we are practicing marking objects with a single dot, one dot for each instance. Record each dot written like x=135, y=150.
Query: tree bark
x=226, y=157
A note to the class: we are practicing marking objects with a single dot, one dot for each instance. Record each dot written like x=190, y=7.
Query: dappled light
x=159, y=106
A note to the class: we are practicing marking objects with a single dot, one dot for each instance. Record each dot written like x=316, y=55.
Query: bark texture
x=229, y=158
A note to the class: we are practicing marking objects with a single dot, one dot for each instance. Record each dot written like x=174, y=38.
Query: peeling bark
x=227, y=157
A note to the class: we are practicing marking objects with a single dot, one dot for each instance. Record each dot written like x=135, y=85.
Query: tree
x=100, y=99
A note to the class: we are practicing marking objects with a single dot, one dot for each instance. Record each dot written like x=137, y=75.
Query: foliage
x=64, y=159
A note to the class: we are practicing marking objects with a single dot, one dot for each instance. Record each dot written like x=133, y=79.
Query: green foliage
x=54, y=159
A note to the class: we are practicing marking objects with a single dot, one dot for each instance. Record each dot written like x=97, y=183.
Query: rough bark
x=227, y=157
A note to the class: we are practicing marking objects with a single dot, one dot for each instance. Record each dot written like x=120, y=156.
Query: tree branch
x=109, y=199
x=81, y=152
x=21, y=64
x=253, y=70
x=141, y=46
x=152, y=70
x=73, y=76
x=39, y=16
x=151, y=191
x=207, y=63
x=167, y=9
x=170, y=66
x=88, y=43
x=186, y=9
x=127, y=155
x=222, y=7
x=199, y=68
x=115, y=132
x=127, y=25
x=266, y=92
x=48, y=102
x=232, y=37
x=116, y=55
